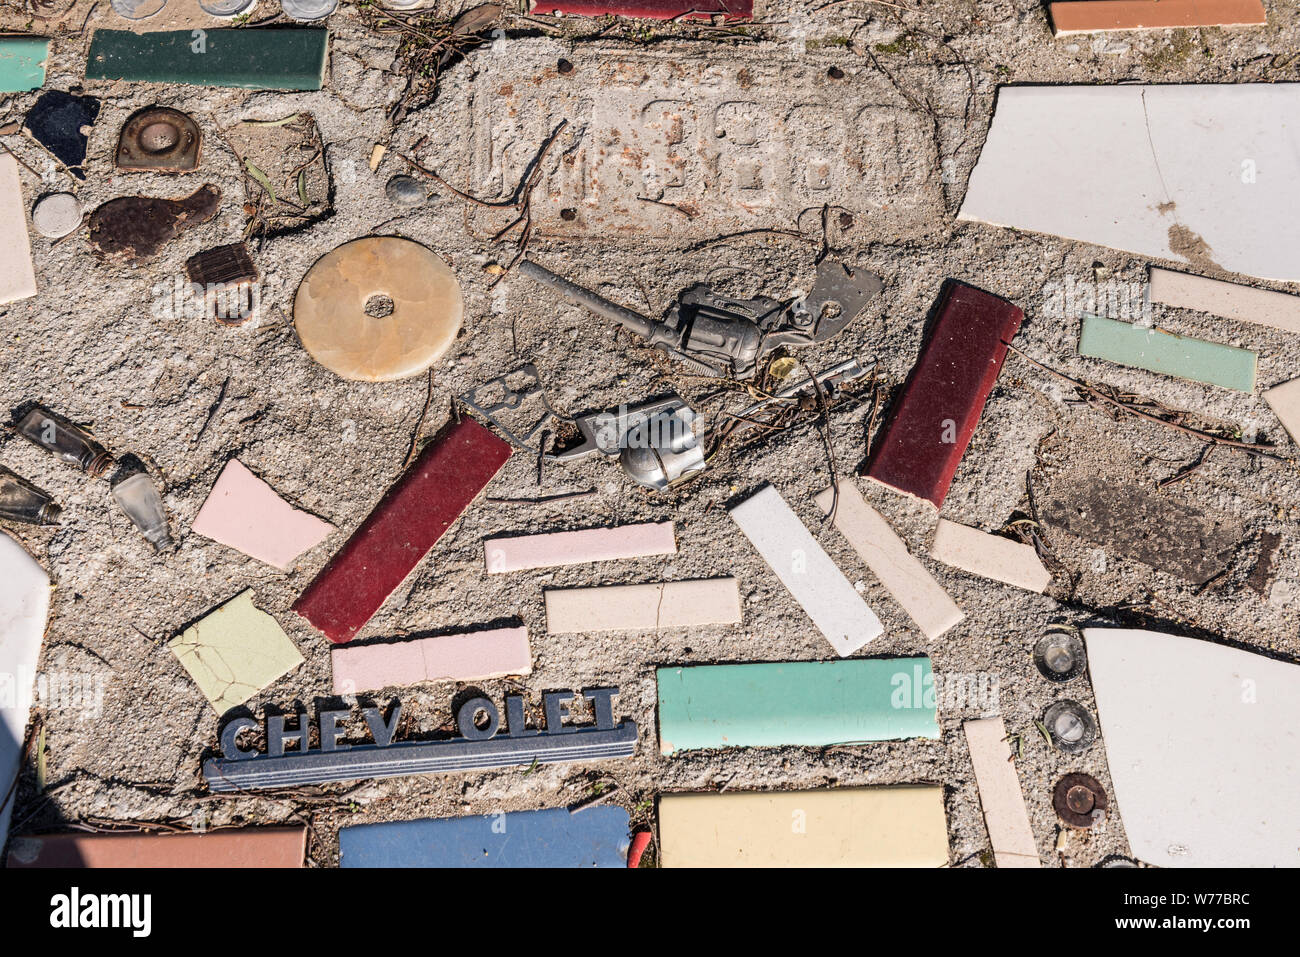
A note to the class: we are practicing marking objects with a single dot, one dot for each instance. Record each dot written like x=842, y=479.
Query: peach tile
x=705, y=601
x=991, y=556
x=228, y=847
x=1096, y=16
x=464, y=657
x=245, y=513
x=521, y=552
x=887, y=556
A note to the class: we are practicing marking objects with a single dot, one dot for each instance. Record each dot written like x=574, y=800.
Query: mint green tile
x=252, y=59
x=1158, y=351
x=804, y=703
x=22, y=63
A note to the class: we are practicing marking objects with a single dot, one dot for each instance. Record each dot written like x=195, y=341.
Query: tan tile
x=17, y=278
x=838, y=827
x=1231, y=300
x=1000, y=794
x=887, y=556
x=991, y=556
x=706, y=601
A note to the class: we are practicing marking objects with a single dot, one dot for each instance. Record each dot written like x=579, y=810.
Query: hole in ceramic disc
x=379, y=306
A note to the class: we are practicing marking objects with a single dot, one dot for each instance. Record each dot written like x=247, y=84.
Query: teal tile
x=1159, y=351
x=801, y=703
x=22, y=63
x=252, y=59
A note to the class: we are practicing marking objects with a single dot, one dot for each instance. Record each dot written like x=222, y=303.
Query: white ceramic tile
x=24, y=611
x=1198, y=173
x=807, y=571
x=1203, y=745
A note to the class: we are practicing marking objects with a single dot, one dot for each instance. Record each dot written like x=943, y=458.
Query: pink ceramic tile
x=464, y=657
x=245, y=513
x=571, y=548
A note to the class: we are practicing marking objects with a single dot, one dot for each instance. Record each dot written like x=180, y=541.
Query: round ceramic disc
x=137, y=9
x=309, y=9
x=56, y=215
x=226, y=8
x=330, y=309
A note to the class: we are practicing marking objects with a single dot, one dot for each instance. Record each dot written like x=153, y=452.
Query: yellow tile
x=840, y=827
x=234, y=652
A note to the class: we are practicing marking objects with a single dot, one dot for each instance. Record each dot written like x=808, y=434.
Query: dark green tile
x=252, y=59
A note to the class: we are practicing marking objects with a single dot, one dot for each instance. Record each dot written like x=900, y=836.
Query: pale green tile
x=1158, y=351
x=804, y=703
x=234, y=652
x=22, y=63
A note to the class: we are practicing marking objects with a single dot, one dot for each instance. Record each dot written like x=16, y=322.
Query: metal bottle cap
x=1060, y=656
x=1071, y=727
x=309, y=9
x=226, y=8
x=1080, y=801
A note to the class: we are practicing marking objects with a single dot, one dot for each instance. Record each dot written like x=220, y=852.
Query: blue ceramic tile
x=594, y=837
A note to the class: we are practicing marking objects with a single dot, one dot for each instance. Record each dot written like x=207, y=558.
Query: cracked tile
x=234, y=652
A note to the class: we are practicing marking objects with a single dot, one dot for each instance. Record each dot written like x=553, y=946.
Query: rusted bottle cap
x=1080, y=801
x=159, y=139
x=1060, y=655
x=1071, y=727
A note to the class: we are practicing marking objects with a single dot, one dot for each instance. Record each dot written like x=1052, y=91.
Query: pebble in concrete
x=405, y=190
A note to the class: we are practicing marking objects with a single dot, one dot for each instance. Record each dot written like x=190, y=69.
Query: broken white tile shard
x=1199, y=173
x=884, y=553
x=990, y=556
x=1230, y=300
x=807, y=571
x=1000, y=796
x=245, y=513
x=17, y=277
x=1284, y=400
x=1203, y=745
x=647, y=607
x=24, y=612
x=522, y=552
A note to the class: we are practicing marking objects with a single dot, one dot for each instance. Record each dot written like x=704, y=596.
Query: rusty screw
x=1080, y=801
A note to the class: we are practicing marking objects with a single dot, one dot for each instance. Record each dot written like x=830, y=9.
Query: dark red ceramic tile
x=233, y=847
x=651, y=9
x=935, y=415
x=418, y=509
